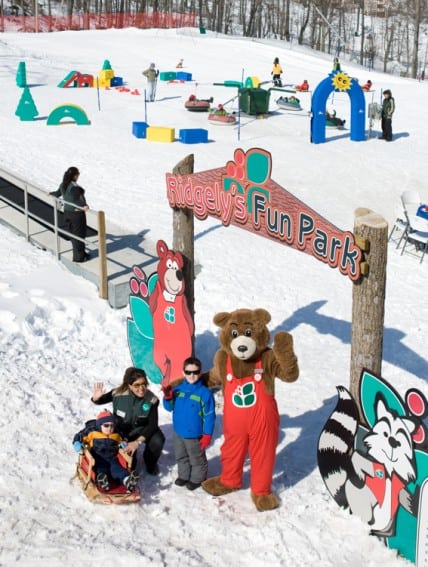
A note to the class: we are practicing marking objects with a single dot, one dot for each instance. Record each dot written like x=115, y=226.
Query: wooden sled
x=117, y=493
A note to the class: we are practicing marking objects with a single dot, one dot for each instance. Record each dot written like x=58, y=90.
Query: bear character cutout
x=246, y=367
x=172, y=322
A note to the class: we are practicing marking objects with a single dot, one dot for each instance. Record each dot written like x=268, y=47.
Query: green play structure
x=76, y=113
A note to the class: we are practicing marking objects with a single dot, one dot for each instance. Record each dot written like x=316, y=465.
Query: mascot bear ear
x=220, y=319
x=161, y=248
x=262, y=315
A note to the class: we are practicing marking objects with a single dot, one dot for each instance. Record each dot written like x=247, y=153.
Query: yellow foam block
x=106, y=74
x=103, y=83
x=160, y=134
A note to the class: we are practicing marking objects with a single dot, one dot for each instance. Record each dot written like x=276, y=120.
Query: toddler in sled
x=99, y=437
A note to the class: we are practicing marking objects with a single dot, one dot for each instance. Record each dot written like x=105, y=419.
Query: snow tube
x=222, y=119
x=331, y=121
x=197, y=105
x=288, y=103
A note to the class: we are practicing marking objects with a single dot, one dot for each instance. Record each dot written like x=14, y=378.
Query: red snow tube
x=197, y=105
x=227, y=119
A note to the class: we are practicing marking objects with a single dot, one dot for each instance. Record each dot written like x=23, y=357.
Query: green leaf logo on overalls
x=145, y=408
x=244, y=396
x=169, y=315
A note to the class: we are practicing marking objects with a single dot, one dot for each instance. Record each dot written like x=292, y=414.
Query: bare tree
x=417, y=17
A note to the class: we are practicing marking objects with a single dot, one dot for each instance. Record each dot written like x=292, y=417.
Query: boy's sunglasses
x=189, y=372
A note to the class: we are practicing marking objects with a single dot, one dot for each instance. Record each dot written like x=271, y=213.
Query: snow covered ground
x=57, y=337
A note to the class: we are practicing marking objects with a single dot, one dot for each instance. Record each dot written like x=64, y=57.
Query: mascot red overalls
x=246, y=368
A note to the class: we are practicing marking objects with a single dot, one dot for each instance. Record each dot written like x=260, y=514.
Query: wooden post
x=368, y=298
x=183, y=233
x=102, y=255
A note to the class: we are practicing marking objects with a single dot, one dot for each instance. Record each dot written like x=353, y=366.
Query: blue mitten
x=77, y=446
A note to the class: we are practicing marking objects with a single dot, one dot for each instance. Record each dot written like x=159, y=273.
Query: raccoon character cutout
x=368, y=469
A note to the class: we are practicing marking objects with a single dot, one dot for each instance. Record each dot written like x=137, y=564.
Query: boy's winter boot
x=103, y=482
x=130, y=482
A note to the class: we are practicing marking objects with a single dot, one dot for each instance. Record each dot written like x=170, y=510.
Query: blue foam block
x=139, y=129
x=182, y=76
x=193, y=136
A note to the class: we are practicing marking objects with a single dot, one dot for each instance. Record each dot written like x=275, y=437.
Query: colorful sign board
x=379, y=468
x=243, y=194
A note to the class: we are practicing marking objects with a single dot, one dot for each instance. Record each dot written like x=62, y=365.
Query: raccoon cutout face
x=390, y=442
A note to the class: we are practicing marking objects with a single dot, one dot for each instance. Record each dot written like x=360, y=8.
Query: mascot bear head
x=170, y=269
x=244, y=334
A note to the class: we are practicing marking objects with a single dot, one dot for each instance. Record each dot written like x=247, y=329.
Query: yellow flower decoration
x=341, y=81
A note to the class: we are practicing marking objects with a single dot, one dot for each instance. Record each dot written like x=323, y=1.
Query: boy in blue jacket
x=193, y=416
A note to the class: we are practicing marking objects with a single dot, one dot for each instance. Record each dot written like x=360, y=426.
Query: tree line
x=390, y=33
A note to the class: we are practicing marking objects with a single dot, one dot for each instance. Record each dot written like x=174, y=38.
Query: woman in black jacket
x=75, y=208
x=136, y=411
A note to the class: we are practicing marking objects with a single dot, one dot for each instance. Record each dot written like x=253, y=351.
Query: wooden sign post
x=183, y=233
x=368, y=298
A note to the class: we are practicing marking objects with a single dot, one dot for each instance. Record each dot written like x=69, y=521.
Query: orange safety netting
x=43, y=23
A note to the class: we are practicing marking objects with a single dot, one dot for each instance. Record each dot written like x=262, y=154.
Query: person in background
x=75, y=208
x=367, y=86
x=151, y=75
x=333, y=120
x=276, y=73
x=220, y=111
x=180, y=64
x=103, y=444
x=303, y=87
x=388, y=109
x=136, y=410
x=193, y=416
x=336, y=64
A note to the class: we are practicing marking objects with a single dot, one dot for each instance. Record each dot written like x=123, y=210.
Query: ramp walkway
x=32, y=212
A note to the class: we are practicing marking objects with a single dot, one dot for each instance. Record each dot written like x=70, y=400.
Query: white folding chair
x=400, y=223
x=411, y=201
x=417, y=233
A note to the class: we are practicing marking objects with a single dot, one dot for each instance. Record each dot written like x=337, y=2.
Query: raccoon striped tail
x=335, y=446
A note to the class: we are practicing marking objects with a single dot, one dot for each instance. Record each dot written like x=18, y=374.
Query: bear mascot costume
x=246, y=368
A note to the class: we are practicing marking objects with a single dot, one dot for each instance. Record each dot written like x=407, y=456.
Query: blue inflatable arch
x=319, y=101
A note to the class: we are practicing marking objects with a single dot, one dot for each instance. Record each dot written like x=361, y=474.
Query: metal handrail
x=34, y=190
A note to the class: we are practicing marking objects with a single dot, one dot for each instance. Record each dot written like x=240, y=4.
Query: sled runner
x=117, y=493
